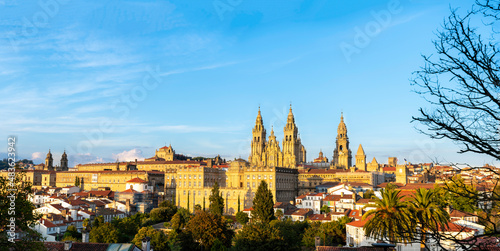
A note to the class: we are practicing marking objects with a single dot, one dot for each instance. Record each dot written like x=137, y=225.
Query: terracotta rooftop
x=320, y=217
x=359, y=223
x=460, y=214
x=452, y=227
x=47, y=223
x=137, y=180
x=301, y=212
x=363, y=201
x=130, y=190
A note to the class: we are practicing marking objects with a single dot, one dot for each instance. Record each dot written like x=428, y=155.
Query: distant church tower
x=258, y=142
x=64, y=162
x=49, y=162
x=361, y=159
x=291, y=143
x=342, y=154
x=401, y=174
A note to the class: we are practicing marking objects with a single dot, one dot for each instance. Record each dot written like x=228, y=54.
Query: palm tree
x=390, y=220
x=427, y=213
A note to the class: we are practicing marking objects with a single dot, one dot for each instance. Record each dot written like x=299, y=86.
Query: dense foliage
x=216, y=200
x=206, y=228
x=14, y=205
x=263, y=204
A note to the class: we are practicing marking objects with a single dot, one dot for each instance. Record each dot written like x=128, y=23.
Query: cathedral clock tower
x=291, y=144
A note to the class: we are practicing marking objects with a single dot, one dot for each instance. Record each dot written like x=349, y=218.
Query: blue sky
x=107, y=80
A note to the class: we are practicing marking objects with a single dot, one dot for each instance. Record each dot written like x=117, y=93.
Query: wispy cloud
x=201, y=68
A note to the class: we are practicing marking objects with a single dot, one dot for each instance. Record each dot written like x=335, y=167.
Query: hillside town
x=302, y=191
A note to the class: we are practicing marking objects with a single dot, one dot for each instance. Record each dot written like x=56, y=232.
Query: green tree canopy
x=162, y=214
x=461, y=196
x=368, y=194
x=242, y=218
x=263, y=204
x=206, y=228
x=104, y=233
x=159, y=241
x=259, y=237
x=390, y=220
x=428, y=215
x=180, y=219
x=216, y=200
x=331, y=233
x=14, y=204
x=291, y=231
x=325, y=209
x=72, y=233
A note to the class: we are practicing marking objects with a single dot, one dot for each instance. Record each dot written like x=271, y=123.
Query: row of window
x=206, y=194
x=259, y=177
x=253, y=185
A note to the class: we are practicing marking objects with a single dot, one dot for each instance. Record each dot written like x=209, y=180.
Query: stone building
x=237, y=185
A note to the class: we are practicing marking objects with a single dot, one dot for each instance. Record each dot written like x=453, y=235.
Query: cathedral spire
x=290, y=118
x=258, y=121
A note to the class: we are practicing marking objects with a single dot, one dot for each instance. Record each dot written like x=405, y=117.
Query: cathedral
x=267, y=153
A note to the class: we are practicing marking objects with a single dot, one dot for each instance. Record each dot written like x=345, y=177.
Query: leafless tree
x=461, y=84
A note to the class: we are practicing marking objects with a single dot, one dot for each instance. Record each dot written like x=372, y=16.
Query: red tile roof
x=130, y=190
x=363, y=201
x=302, y=212
x=320, y=217
x=460, y=214
x=359, y=223
x=137, y=180
x=389, y=169
x=47, y=223
x=452, y=227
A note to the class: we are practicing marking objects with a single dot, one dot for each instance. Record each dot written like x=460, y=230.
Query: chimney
x=67, y=245
x=146, y=244
x=127, y=205
x=85, y=235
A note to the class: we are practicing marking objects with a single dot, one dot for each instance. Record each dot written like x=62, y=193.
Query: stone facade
x=269, y=154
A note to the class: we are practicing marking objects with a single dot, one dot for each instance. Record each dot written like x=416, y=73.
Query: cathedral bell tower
x=342, y=154
x=258, y=142
x=291, y=144
x=64, y=162
x=49, y=162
